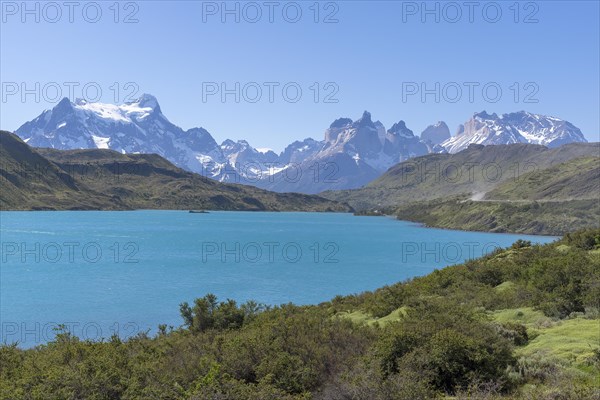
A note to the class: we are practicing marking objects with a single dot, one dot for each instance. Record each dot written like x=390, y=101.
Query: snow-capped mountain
x=360, y=138
x=518, y=127
x=135, y=127
x=401, y=144
x=241, y=152
x=436, y=133
x=299, y=151
x=247, y=163
x=351, y=154
x=369, y=142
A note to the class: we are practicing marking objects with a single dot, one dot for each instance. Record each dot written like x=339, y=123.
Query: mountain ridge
x=351, y=154
x=516, y=127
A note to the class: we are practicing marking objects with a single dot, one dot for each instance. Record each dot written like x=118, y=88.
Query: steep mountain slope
x=245, y=163
x=105, y=179
x=401, y=144
x=518, y=127
x=298, y=151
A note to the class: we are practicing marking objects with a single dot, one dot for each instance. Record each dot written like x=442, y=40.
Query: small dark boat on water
x=198, y=212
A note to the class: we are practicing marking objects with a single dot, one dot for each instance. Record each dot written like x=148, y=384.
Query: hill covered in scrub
x=520, y=323
x=518, y=188
x=527, y=217
x=472, y=172
x=550, y=201
x=576, y=179
x=98, y=179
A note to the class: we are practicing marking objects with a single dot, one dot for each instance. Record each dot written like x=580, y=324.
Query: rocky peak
x=436, y=133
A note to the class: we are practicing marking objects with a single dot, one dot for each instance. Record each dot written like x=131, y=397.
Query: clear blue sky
x=373, y=50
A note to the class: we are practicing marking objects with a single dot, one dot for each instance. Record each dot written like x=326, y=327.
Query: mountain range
x=351, y=154
x=517, y=127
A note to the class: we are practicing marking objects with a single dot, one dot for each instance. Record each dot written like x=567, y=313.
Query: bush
x=516, y=333
x=588, y=239
x=207, y=313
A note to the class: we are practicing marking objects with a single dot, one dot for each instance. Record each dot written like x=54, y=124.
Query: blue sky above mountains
x=373, y=58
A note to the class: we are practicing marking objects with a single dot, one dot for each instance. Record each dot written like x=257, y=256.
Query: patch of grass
x=360, y=317
x=505, y=286
x=526, y=316
x=394, y=316
x=572, y=341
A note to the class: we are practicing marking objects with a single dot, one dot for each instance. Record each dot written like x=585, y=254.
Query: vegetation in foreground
x=521, y=323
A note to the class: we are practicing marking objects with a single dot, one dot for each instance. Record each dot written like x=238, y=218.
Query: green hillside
x=105, y=179
x=30, y=181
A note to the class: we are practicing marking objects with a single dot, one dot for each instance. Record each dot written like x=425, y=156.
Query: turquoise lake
x=125, y=272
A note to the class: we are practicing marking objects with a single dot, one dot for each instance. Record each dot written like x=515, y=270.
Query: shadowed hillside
x=105, y=179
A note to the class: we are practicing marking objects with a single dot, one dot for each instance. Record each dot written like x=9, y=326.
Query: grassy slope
x=571, y=342
x=550, y=201
x=104, y=179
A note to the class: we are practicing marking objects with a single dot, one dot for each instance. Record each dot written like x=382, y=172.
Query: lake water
x=101, y=273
